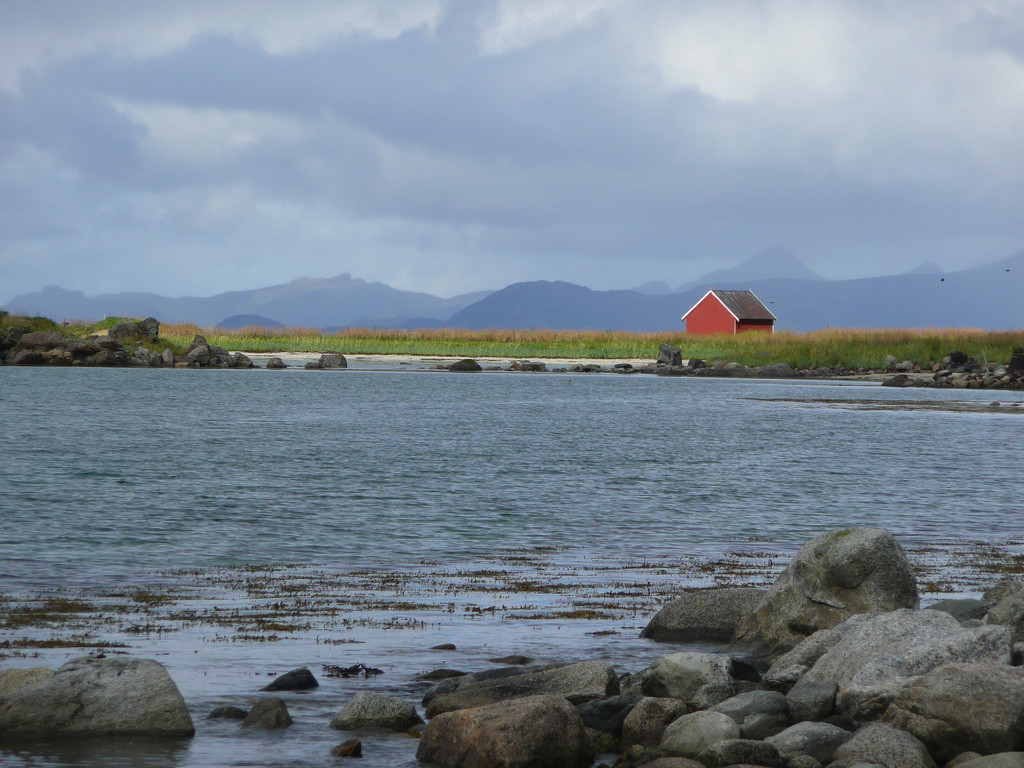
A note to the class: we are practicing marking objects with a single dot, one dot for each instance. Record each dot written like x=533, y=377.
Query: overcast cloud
x=190, y=148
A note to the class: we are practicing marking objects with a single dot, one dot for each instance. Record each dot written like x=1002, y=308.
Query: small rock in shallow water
x=270, y=714
x=515, y=659
x=300, y=679
x=443, y=647
x=350, y=748
x=228, y=713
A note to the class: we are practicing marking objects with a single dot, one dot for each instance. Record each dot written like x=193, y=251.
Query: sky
x=447, y=146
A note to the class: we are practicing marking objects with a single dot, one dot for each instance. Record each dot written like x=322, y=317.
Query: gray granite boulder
x=998, y=760
x=832, y=577
x=786, y=670
x=608, y=715
x=645, y=723
x=1009, y=612
x=466, y=366
x=962, y=610
x=707, y=615
x=93, y=696
x=758, y=713
x=809, y=700
x=276, y=363
x=817, y=740
x=580, y=682
x=333, y=360
x=883, y=745
x=373, y=710
x=740, y=752
x=1006, y=586
x=961, y=707
x=670, y=354
x=878, y=654
x=18, y=677
x=691, y=734
x=682, y=675
x=530, y=732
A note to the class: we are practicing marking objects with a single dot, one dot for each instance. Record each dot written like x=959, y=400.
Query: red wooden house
x=729, y=312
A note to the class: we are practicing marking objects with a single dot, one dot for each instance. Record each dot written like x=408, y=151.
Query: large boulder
x=707, y=615
x=879, y=654
x=298, y=679
x=733, y=752
x=670, y=354
x=18, y=677
x=373, y=710
x=759, y=714
x=690, y=735
x=682, y=675
x=530, y=732
x=833, y=577
x=580, y=682
x=135, y=330
x=880, y=744
x=645, y=723
x=268, y=714
x=817, y=740
x=786, y=670
x=608, y=715
x=963, y=707
x=1009, y=612
x=98, y=696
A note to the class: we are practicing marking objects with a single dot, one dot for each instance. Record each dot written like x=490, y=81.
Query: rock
x=608, y=715
x=669, y=354
x=238, y=360
x=300, y=679
x=1009, y=612
x=270, y=714
x=961, y=707
x=759, y=714
x=1006, y=586
x=899, y=380
x=1016, y=364
x=878, y=654
x=447, y=686
x=228, y=712
x=817, y=740
x=690, y=735
x=833, y=576
x=578, y=683
x=94, y=696
x=707, y=615
x=314, y=365
x=786, y=670
x=276, y=364
x=17, y=677
x=135, y=330
x=961, y=610
x=776, y=370
x=673, y=762
x=198, y=351
x=682, y=675
x=889, y=361
x=646, y=722
x=333, y=361
x=440, y=674
x=350, y=748
x=999, y=760
x=885, y=746
x=740, y=752
x=810, y=700
x=369, y=709
x=515, y=658
x=443, y=647
x=465, y=365
x=530, y=732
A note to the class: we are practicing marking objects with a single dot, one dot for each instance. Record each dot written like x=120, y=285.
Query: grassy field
x=852, y=349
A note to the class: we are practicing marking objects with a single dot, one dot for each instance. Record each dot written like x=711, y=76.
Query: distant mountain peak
x=777, y=263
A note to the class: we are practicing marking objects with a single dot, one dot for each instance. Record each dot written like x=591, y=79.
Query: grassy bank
x=852, y=349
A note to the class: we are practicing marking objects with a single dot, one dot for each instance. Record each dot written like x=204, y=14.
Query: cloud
x=465, y=146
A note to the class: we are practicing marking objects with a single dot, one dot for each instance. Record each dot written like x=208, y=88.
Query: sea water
x=500, y=512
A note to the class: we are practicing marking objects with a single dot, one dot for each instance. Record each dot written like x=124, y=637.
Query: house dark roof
x=743, y=305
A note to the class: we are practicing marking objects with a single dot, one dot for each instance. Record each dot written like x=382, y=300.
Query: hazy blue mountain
x=989, y=297
x=770, y=264
x=654, y=288
x=244, y=321
x=313, y=302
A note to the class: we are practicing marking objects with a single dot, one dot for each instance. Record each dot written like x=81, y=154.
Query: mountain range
x=987, y=297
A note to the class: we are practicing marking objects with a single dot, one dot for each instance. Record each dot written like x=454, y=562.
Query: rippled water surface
x=111, y=479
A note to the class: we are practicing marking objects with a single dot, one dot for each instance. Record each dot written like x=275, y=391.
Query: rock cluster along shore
x=833, y=665
x=124, y=345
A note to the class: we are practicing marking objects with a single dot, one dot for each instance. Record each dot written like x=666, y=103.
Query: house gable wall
x=762, y=326
x=710, y=316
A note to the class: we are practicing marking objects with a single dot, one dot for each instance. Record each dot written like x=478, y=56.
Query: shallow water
x=505, y=513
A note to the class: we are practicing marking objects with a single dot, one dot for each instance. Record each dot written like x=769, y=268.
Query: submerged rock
x=270, y=714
